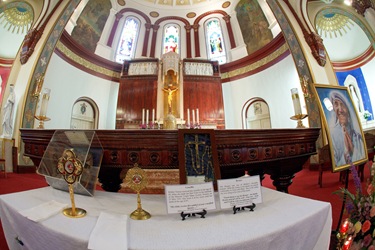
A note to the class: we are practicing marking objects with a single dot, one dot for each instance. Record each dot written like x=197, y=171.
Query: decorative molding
x=257, y=61
x=357, y=62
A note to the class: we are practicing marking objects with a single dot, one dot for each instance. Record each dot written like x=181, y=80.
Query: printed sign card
x=239, y=192
x=190, y=198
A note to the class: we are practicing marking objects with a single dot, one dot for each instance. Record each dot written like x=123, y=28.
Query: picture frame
x=198, y=157
x=344, y=130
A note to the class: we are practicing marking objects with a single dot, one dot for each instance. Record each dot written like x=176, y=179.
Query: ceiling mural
x=91, y=22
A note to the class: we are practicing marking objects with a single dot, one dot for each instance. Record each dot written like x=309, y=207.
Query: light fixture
x=327, y=1
x=348, y=2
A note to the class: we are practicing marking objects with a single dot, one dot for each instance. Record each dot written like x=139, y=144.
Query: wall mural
x=90, y=23
x=253, y=24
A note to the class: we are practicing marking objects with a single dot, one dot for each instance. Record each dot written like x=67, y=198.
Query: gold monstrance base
x=41, y=119
x=79, y=212
x=139, y=213
x=299, y=119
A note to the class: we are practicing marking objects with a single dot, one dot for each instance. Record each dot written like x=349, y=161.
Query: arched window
x=171, y=41
x=215, y=41
x=128, y=40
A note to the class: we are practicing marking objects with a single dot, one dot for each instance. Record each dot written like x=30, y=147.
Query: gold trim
x=191, y=14
x=154, y=14
x=258, y=64
x=226, y=4
x=85, y=63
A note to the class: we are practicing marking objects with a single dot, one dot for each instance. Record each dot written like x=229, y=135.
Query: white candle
x=296, y=102
x=147, y=116
x=193, y=114
x=143, y=116
x=197, y=116
x=45, y=98
x=188, y=115
x=153, y=116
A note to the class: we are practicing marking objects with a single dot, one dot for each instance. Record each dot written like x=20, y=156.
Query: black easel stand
x=343, y=202
x=251, y=207
x=202, y=214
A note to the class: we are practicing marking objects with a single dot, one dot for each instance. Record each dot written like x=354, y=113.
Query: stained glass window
x=171, y=39
x=127, y=43
x=215, y=41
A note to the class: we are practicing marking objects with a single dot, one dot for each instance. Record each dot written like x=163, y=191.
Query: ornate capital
x=227, y=18
x=317, y=48
x=118, y=16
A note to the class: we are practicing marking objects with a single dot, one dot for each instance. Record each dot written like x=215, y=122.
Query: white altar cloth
x=282, y=221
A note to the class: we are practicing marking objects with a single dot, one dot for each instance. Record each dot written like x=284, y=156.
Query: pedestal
x=6, y=146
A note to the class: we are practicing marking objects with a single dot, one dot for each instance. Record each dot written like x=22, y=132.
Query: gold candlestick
x=299, y=119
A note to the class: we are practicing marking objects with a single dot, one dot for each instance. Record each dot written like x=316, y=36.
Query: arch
x=259, y=115
x=85, y=114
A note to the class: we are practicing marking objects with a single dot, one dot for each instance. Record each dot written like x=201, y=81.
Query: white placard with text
x=239, y=192
x=190, y=198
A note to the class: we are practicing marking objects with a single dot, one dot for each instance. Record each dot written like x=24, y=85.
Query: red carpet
x=305, y=184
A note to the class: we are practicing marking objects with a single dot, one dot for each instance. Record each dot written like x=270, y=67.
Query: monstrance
x=136, y=179
x=71, y=168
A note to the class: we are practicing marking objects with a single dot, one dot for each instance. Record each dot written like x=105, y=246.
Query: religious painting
x=254, y=25
x=90, y=23
x=344, y=131
x=198, y=158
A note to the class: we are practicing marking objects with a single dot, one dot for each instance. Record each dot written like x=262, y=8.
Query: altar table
x=282, y=221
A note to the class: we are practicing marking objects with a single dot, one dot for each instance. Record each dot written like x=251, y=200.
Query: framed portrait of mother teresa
x=344, y=131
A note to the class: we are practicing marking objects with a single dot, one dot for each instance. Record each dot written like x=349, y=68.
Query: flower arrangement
x=357, y=232
x=367, y=115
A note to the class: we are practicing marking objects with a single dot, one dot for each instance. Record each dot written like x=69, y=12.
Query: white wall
x=67, y=84
x=273, y=85
x=369, y=75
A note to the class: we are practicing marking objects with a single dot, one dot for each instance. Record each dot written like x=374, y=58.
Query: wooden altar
x=279, y=153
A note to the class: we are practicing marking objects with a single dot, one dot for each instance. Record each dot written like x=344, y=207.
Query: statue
x=170, y=92
x=8, y=108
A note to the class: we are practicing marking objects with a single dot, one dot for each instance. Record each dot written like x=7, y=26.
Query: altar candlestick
x=193, y=114
x=45, y=98
x=197, y=116
x=147, y=116
x=143, y=116
x=296, y=102
x=188, y=117
x=153, y=116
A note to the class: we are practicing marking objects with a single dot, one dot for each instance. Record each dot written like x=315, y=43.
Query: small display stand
x=202, y=214
x=237, y=209
x=87, y=149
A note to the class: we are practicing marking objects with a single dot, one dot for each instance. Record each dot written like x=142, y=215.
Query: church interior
x=252, y=75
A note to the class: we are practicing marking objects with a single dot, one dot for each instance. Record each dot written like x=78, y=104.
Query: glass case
x=87, y=148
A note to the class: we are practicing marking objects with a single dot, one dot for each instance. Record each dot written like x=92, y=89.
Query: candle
x=45, y=98
x=147, y=116
x=143, y=116
x=197, y=116
x=193, y=114
x=153, y=116
x=347, y=243
x=296, y=102
x=188, y=117
x=344, y=227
